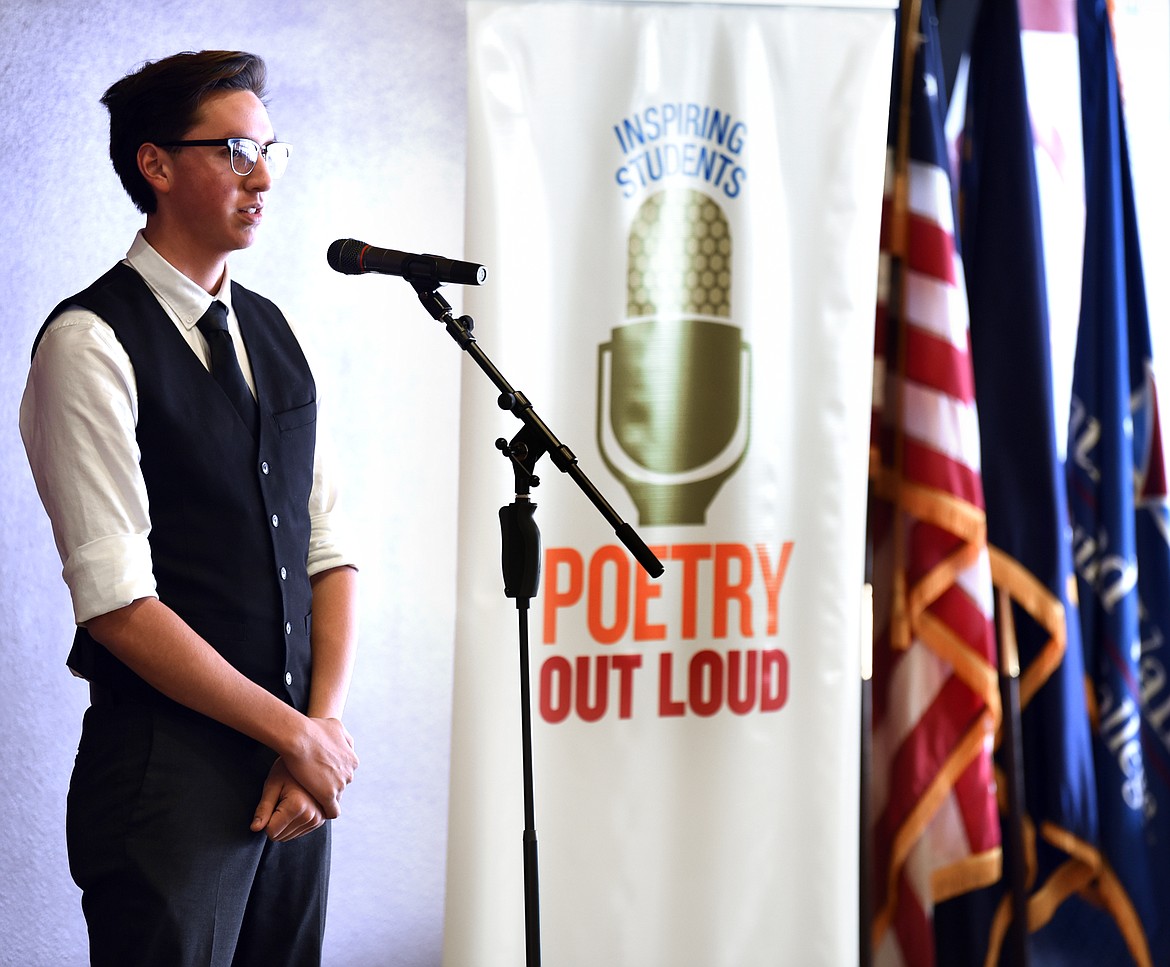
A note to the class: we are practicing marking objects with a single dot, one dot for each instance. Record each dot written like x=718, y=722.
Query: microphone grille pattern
x=345, y=256
x=679, y=257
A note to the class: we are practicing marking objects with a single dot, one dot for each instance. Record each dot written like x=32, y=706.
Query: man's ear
x=157, y=167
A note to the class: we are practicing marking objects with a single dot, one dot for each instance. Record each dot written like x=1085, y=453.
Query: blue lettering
x=626, y=182
x=735, y=137
x=677, y=138
x=732, y=188
x=654, y=127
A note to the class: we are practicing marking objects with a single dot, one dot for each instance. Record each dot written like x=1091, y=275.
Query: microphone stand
x=520, y=557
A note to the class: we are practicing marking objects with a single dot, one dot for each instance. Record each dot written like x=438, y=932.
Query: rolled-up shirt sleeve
x=327, y=538
x=77, y=420
x=330, y=540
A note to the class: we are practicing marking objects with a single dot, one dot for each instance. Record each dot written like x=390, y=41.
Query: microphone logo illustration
x=674, y=382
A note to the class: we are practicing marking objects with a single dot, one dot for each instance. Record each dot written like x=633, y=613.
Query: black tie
x=225, y=366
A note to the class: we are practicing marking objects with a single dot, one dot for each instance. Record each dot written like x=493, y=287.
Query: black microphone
x=351, y=257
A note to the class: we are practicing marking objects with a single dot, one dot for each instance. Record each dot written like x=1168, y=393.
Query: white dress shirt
x=78, y=420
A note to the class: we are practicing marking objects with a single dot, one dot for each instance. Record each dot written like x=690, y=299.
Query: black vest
x=229, y=514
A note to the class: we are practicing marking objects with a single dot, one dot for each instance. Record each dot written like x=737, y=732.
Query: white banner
x=679, y=209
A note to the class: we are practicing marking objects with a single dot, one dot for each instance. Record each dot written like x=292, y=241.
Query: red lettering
x=556, y=683
x=667, y=705
x=706, y=682
x=774, y=675
x=744, y=681
x=741, y=700
x=626, y=666
x=591, y=712
x=582, y=686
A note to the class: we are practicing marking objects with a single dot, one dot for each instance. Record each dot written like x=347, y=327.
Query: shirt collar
x=186, y=300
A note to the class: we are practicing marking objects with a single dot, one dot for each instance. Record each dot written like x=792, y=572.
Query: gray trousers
x=160, y=804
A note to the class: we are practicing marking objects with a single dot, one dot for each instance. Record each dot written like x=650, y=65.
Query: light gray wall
x=372, y=95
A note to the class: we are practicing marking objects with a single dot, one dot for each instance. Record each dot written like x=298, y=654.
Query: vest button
x=288, y=678
x=275, y=521
x=288, y=627
x=284, y=574
x=264, y=467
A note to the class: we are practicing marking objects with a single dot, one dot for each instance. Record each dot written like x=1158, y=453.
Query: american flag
x=936, y=706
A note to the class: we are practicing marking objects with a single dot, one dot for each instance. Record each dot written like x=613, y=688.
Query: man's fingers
x=266, y=807
x=308, y=822
x=291, y=819
x=286, y=826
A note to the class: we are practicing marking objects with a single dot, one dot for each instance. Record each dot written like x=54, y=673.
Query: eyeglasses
x=244, y=153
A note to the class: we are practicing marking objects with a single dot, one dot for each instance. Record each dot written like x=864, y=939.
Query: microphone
x=351, y=257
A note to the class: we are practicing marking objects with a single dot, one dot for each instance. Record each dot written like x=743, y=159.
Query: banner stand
x=682, y=252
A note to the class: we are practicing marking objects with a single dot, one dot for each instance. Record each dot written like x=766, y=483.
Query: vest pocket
x=297, y=416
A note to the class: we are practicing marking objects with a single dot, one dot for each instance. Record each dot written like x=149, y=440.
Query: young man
x=192, y=508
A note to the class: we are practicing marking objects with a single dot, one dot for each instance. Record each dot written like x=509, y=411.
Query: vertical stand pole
x=531, y=865
x=520, y=560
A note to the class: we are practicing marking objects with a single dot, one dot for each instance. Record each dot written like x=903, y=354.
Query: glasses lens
x=244, y=152
x=276, y=157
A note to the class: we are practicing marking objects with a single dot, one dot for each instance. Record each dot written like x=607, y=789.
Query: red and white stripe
x=935, y=821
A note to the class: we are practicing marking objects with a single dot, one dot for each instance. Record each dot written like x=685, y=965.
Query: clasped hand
x=305, y=785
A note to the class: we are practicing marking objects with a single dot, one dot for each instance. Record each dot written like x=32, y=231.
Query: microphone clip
x=440, y=310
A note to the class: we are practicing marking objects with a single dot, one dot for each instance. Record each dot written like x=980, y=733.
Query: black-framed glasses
x=243, y=153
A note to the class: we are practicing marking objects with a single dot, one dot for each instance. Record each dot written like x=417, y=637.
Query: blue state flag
x=1025, y=487
x=1118, y=502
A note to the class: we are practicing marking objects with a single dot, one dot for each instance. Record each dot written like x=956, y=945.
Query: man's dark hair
x=161, y=101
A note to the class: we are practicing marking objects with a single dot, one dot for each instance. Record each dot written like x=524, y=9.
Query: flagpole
x=899, y=631
x=866, y=954
x=1013, y=751
x=911, y=11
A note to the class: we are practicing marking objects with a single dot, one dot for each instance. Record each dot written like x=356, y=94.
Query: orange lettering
x=725, y=591
x=644, y=590
x=690, y=555
x=602, y=633
x=773, y=580
x=556, y=598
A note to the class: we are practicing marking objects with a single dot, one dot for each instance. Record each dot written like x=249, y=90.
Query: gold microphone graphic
x=673, y=385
